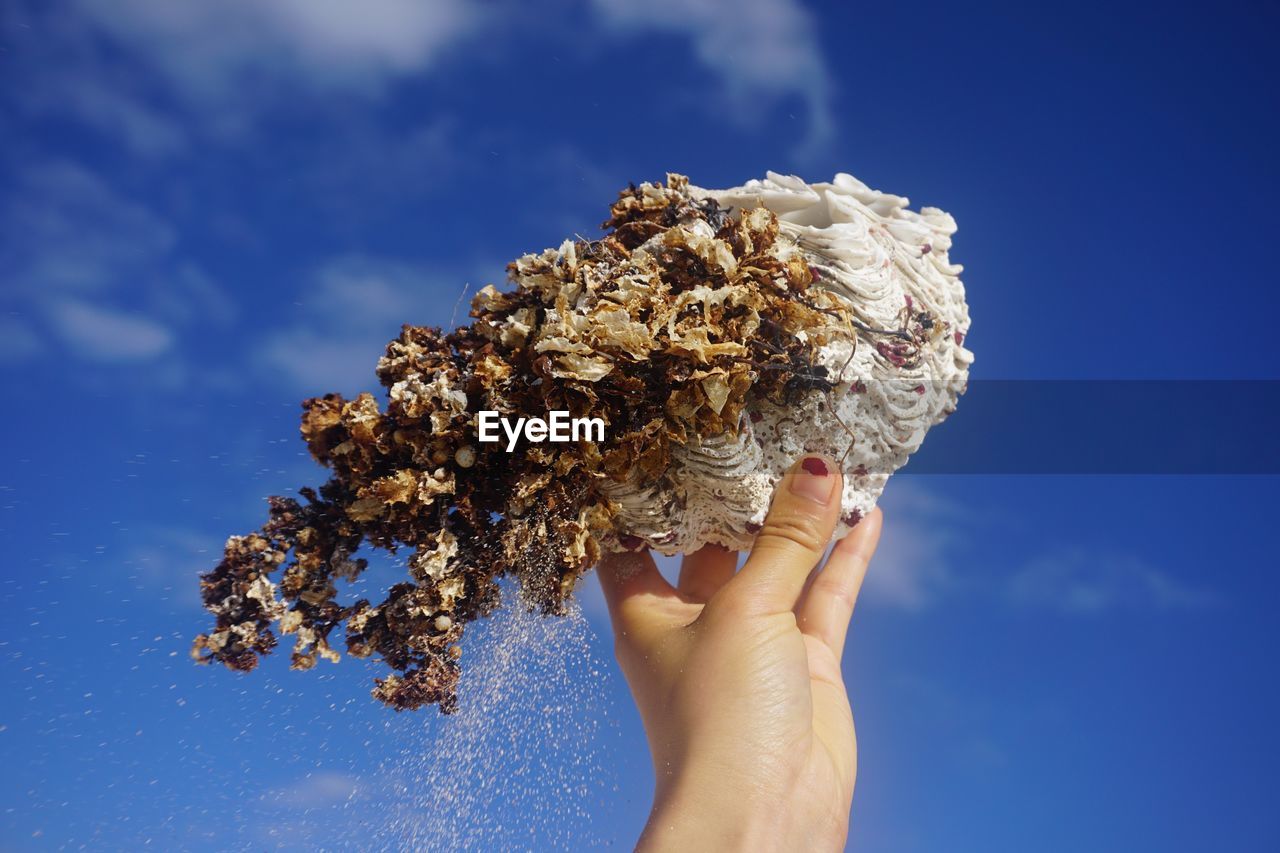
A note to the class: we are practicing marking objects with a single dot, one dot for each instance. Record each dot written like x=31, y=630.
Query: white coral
x=887, y=263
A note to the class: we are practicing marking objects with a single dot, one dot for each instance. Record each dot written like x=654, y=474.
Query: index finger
x=630, y=581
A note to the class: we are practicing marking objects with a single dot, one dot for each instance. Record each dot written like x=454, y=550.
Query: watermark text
x=558, y=427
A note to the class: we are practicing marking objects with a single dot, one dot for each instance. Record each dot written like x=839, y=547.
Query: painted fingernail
x=813, y=479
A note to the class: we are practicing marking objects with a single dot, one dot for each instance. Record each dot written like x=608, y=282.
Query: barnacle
x=719, y=334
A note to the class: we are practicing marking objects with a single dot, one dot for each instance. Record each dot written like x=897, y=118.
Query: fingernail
x=813, y=478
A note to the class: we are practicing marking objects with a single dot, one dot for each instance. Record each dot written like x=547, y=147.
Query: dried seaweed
x=673, y=325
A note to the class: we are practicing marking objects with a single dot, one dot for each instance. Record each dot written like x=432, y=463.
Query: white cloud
x=66, y=229
x=226, y=50
x=346, y=316
x=926, y=541
x=758, y=48
x=107, y=335
x=93, y=271
x=167, y=561
x=56, y=67
x=153, y=75
x=315, y=790
x=90, y=96
x=1080, y=582
x=912, y=569
x=319, y=362
x=213, y=68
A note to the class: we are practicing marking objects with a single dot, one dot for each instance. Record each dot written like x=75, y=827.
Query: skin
x=737, y=677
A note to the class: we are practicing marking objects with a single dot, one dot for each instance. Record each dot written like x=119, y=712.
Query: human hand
x=737, y=676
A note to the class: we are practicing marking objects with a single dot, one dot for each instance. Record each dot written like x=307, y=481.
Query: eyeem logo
x=557, y=426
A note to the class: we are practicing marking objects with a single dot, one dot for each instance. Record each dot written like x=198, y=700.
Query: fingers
x=794, y=536
x=703, y=572
x=630, y=581
x=825, y=610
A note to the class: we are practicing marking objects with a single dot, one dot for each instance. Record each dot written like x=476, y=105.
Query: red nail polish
x=813, y=480
x=815, y=466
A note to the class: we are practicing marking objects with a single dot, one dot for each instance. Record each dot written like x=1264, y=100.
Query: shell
x=889, y=264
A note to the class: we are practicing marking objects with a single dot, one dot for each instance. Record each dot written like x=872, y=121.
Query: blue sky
x=209, y=211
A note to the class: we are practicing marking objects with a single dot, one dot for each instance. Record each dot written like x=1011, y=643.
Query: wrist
x=710, y=806
x=680, y=822
x=715, y=810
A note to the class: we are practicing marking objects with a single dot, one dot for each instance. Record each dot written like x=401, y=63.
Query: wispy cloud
x=66, y=228
x=346, y=315
x=319, y=789
x=758, y=48
x=165, y=561
x=309, y=813
x=58, y=67
x=215, y=50
x=925, y=557
x=106, y=335
x=155, y=75
x=91, y=94
x=913, y=565
x=91, y=272
x=1081, y=582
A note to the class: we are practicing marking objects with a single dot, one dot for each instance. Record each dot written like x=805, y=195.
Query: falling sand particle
x=522, y=763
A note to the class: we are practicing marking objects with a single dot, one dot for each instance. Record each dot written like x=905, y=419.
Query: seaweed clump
x=665, y=327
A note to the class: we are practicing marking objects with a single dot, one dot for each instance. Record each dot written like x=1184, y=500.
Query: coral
x=718, y=334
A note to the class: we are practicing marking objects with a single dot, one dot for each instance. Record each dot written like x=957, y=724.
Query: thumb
x=795, y=534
